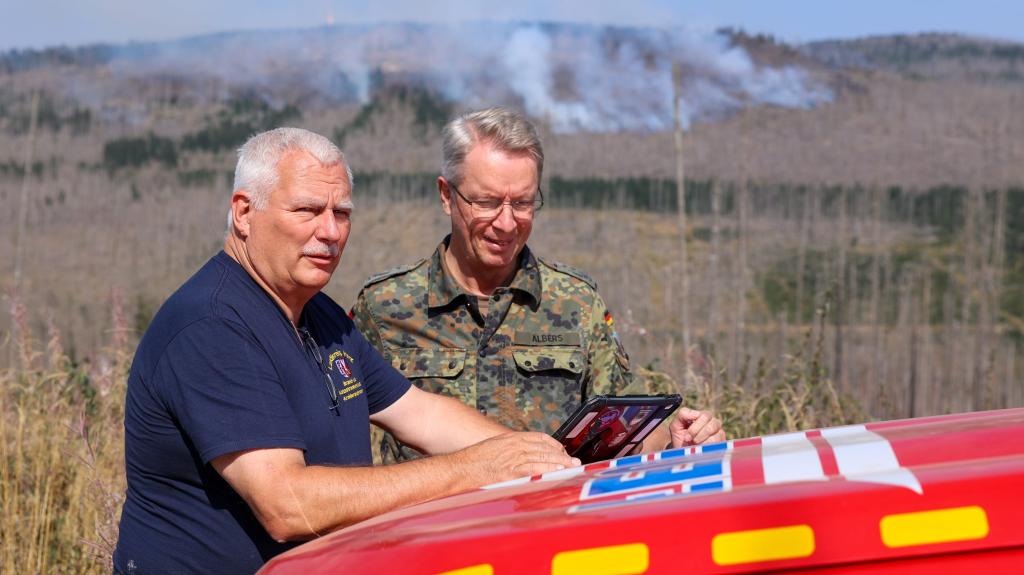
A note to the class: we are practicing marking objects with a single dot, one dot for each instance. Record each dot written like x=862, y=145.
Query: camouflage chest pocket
x=437, y=370
x=564, y=362
x=547, y=383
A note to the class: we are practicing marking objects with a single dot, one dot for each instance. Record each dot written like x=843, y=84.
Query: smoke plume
x=575, y=77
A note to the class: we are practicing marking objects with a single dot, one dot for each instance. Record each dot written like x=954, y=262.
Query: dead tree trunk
x=713, y=262
x=801, y=254
x=924, y=319
x=19, y=239
x=967, y=317
x=997, y=267
x=876, y=288
x=909, y=313
x=740, y=326
x=684, y=274
x=840, y=295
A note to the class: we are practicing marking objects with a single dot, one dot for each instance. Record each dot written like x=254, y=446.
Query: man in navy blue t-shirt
x=249, y=399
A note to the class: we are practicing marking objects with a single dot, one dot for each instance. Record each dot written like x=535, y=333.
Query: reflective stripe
x=614, y=560
x=757, y=545
x=936, y=526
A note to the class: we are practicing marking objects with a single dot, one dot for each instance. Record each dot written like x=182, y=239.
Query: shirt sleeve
x=221, y=386
x=362, y=316
x=384, y=384
x=608, y=370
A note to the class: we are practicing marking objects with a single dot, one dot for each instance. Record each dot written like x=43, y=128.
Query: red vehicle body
x=926, y=495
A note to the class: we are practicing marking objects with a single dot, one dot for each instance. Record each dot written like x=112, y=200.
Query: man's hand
x=512, y=455
x=695, y=427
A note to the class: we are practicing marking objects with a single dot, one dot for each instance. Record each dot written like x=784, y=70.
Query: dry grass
x=794, y=394
x=61, y=452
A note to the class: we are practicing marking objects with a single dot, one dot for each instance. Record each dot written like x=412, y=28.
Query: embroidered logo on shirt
x=350, y=386
x=342, y=367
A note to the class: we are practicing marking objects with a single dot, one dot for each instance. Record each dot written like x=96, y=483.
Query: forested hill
x=913, y=110
x=926, y=56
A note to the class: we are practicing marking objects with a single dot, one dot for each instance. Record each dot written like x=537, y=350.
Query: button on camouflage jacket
x=545, y=341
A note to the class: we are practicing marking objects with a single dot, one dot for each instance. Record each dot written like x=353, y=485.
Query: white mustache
x=321, y=250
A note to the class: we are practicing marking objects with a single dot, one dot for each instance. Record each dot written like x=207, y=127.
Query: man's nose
x=328, y=229
x=505, y=221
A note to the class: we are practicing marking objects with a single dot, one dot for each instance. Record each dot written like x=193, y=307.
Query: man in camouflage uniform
x=523, y=339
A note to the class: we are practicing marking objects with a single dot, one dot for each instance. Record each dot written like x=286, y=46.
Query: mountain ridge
x=752, y=106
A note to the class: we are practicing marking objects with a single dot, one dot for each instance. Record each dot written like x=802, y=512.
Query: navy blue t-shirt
x=220, y=370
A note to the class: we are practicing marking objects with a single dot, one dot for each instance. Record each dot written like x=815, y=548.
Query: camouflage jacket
x=546, y=339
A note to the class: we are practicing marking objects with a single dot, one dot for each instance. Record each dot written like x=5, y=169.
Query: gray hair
x=256, y=171
x=505, y=129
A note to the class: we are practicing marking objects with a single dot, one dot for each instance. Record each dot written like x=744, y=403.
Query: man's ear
x=445, y=191
x=241, y=211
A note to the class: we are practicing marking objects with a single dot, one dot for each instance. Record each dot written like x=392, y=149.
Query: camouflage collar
x=442, y=289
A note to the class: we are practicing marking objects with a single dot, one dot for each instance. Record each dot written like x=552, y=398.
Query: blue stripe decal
x=639, y=499
x=655, y=495
x=680, y=452
x=712, y=486
x=651, y=478
x=721, y=446
x=631, y=460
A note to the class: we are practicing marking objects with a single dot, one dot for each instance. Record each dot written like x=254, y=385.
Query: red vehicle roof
x=902, y=496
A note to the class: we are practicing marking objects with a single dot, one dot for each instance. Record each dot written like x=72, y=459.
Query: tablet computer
x=607, y=426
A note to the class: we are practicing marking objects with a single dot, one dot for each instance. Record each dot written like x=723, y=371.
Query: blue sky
x=40, y=23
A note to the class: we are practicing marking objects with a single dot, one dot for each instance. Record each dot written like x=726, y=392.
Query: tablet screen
x=608, y=427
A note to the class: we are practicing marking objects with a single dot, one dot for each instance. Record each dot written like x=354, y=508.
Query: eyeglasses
x=490, y=207
x=311, y=345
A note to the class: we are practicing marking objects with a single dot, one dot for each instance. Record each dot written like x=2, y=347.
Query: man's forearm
x=318, y=499
x=436, y=424
x=294, y=501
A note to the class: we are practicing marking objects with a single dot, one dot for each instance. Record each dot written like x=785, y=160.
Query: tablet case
x=607, y=427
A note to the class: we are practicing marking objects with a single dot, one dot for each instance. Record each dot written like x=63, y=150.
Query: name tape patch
x=548, y=338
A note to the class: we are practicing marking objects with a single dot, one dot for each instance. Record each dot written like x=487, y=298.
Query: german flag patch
x=620, y=352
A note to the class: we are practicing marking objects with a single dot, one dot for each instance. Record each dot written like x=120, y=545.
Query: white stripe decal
x=566, y=473
x=790, y=457
x=863, y=455
x=519, y=481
